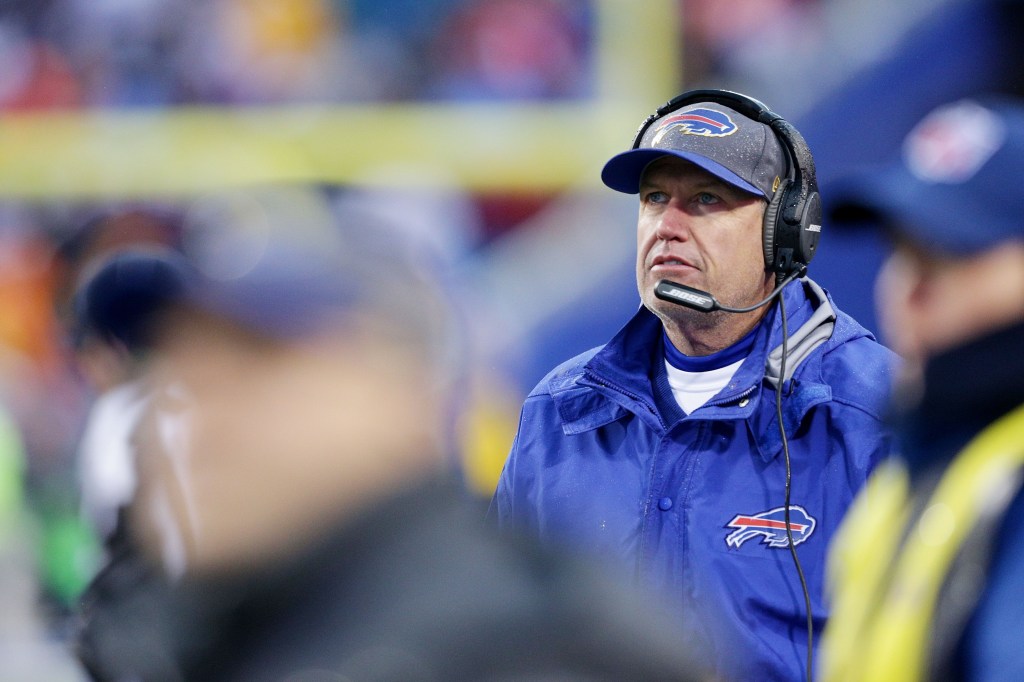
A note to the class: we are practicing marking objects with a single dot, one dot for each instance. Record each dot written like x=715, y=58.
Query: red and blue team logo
x=770, y=527
x=703, y=122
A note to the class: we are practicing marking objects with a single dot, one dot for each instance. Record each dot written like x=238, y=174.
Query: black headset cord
x=789, y=477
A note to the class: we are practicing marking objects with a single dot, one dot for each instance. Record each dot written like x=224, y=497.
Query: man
x=327, y=535
x=663, y=448
x=926, y=572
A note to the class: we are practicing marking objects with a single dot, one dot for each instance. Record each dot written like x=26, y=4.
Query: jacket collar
x=625, y=370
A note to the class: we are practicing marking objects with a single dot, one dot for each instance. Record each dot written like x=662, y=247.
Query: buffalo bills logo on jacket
x=770, y=526
x=703, y=122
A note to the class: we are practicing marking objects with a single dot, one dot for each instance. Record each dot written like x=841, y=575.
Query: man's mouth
x=669, y=262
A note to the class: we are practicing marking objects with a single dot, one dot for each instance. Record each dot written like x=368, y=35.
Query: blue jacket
x=692, y=505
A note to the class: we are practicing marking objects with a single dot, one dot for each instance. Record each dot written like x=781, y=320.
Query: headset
x=792, y=221
x=792, y=228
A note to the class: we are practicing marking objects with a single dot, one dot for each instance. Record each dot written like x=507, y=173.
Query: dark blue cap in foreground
x=957, y=187
x=288, y=263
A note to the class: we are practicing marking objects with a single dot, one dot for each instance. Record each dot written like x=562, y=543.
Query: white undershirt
x=693, y=389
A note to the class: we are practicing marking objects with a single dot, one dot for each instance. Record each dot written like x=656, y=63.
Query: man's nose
x=673, y=224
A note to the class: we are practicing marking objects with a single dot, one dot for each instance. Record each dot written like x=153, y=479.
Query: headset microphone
x=706, y=303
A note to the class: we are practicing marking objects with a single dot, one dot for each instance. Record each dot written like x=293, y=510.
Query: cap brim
x=278, y=298
x=623, y=171
x=899, y=203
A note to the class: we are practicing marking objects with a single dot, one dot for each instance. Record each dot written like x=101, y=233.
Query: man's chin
x=674, y=314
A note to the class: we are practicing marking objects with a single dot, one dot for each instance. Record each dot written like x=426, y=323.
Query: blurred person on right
x=927, y=571
x=328, y=534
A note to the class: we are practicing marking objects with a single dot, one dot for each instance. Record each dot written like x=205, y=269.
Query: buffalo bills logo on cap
x=703, y=122
x=953, y=142
x=770, y=526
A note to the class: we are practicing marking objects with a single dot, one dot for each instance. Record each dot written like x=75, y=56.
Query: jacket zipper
x=632, y=396
x=732, y=399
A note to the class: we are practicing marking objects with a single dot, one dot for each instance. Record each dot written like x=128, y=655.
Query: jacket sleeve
x=500, y=510
x=515, y=497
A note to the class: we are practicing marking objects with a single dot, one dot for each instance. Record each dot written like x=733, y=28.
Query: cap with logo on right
x=956, y=188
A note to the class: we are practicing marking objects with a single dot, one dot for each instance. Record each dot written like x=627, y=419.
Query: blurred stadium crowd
x=101, y=54
x=153, y=53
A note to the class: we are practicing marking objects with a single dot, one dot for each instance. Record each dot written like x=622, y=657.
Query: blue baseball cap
x=738, y=150
x=277, y=260
x=955, y=188
x=287, y=263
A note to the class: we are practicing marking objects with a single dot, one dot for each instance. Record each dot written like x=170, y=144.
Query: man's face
x=284, y=437
x=697, y=230
x=929, y=303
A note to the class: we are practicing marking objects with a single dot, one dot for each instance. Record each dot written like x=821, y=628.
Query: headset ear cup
x=770, y=226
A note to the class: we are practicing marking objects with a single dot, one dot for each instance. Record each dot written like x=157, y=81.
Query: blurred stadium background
x=479, y=125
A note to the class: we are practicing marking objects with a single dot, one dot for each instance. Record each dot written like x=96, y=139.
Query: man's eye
x=656, y=197
x=706, y=198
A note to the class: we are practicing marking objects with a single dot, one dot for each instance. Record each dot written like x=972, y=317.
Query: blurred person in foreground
x=329, y=536
x=927, y=573
x=713, y=453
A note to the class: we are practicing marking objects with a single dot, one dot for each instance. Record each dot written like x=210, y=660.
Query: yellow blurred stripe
x=141, y=153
